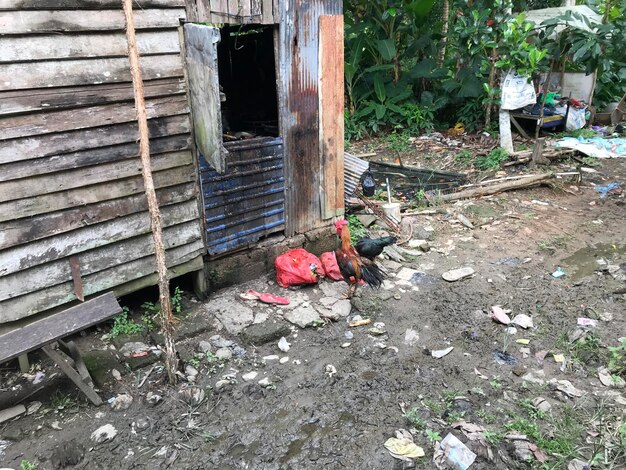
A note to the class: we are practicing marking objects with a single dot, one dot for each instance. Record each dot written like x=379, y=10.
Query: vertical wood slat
x=331, y=113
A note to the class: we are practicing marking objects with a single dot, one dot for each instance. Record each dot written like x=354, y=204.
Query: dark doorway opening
x=247, y=75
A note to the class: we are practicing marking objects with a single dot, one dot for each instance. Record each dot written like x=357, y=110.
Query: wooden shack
x=245, y=108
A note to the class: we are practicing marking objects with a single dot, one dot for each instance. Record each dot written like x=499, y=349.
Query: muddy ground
x=334, y=407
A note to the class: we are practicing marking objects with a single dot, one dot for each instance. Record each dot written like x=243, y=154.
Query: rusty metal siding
x=247, y=202
x=299, y=109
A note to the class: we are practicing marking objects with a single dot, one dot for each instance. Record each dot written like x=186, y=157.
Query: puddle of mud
x=587, y=261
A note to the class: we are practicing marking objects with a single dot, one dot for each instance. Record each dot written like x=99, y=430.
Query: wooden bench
x=40, y=334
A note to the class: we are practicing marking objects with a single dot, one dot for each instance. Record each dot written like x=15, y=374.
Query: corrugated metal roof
x=353, y=169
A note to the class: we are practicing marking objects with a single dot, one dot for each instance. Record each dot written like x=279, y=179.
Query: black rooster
x=367, y=247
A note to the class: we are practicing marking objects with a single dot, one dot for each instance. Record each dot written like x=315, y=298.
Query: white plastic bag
x=575, y=119
x=517, y=92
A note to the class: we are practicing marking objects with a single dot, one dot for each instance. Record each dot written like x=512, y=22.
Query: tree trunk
x=492, y=83
x=445, y=15
x=171, y=361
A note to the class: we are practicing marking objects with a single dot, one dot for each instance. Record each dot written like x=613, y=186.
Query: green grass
x=432, y=436
x=122, y=325
x=27, y=465
x=492, y=160
x=550, y=245
x=464, y=157
x=399, y=141
x=414, y=419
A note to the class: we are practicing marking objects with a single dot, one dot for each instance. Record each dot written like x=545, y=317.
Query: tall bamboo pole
x=171, y=361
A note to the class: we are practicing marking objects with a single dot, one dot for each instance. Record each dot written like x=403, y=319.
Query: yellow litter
x=403, y=448
x=365, y=321
x=522, y=341
x=559, y=358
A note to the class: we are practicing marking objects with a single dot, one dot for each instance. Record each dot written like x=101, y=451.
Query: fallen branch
x=535, y=180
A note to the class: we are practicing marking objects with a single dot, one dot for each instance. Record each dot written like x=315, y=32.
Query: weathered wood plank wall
x=70, y=176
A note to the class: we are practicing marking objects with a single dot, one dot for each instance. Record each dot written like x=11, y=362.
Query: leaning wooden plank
x=51, y=145
x=24, y=208
x=82, y=4
x=53, y=99
x=331, y=113
x=89, y=262
x=16, y=232
x=10, y=413
x=528, y=182
x=83, y=46
x=47, y=21
x=26, y=75
x=73, y=375
x=99, y=156
x=29, y=304
x=71, y=179
x=60, y=246
x=25, y=339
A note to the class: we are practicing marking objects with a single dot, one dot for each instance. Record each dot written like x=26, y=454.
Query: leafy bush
x=492, y=160
x=122, y=325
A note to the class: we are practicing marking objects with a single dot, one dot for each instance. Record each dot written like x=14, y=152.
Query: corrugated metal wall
x=299, y=110
x=246, y=202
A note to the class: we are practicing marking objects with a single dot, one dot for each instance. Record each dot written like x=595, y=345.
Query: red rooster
x=354, y=267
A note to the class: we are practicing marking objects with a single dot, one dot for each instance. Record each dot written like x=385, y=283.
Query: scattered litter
x=578, y=464
x=499, y=315
x=411, y=337
x=116, y=374
x=360, y=322
x=345, y=345
x=535, y=376
x=248, y=376
x=121, y=402
x=560, y=358
x=542, y=404
x=153, y=398
x=608, y=190
x=283, y=344
x=192, y=396
x=480, y=374
x=523, y=320
x=271, y=357
x=264, y=297
x=104, y=433
x=522, y=341
x=567, y=388
x=349, y=335
x=458, y=274
x=442, y=352
x=606, y=316
x=503, y=357
x=511, y=330
x=453, y=452
x=558, y=273
x=39, y=376
x=330, y=370
x=33, y=407
x=56, y=426
x=584, y=321
x=376, y=331
x=284, y=360
x=610, y=380
x=465, y=221
x=402, y=446
x=525, y=352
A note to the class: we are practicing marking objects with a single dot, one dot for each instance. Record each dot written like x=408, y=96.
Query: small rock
x=247, y=377
x=191, y=370
x=345, y=345
x=223, y=354
x=141, y=424
x=104, y=433
x=406, y=274
x=424, y=233
x=330, y=370
x=542, y=404
x=219, y=342
x=204, y=347
x=523, y=320
x=342, y=307
x=303, y=316
x=116, y=374
x=522, y=451
x=458, y=274
x=610, y=380
x=392, y=265
x=222, y=385
x=264, y=382
x=535, y=376
x=519, y=370
x=121, y=402
x=367, y=219
x=606, y=316
x=465, y=221
x=421, y=244
x=266, y=332
x=566, y=387
x=510, y=395
x=578, y=464
x=134, y=347
x=284, y=359
x=153, y=398
x=397, y=296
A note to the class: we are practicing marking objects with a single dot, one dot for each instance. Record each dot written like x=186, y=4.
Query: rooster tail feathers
x=372, y=275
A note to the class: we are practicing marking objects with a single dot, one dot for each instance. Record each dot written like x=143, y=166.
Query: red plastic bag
x=297, y=267
x=331, y=268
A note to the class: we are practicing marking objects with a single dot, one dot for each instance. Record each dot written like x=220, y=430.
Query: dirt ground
x=344, y=391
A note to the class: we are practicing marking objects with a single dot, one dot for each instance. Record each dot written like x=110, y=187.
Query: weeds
x=399, y=142
x=357, y=229
x=432, y=436
x=496, y=383
x=552, y=244
x=414, y=419
x=464, y=157
x=27, y=465
x=617, y=364
x=122, y=325
x=492, y=160
x=61, y=402
x=531, y=409
x=494, y=437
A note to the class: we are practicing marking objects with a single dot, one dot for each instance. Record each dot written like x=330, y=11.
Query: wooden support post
x=66, y=366
x=22, y=359
x=199, y=283
x=171, y=361
x=537, y=157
